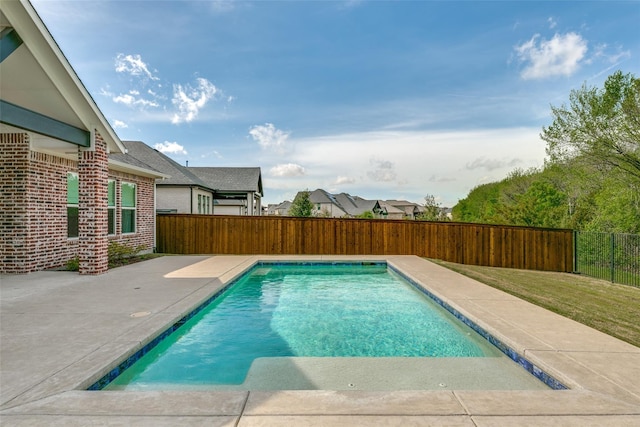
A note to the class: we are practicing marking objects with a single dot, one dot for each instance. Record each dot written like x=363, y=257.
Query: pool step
x=388, y=373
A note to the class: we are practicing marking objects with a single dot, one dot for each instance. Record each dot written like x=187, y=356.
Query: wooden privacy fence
x=475, y=244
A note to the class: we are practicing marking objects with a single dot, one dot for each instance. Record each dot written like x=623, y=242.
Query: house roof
x=39, y=90
x=405, y=206
x=228, y=179
x=390, y=208
x=355, y=206
x=321, y=196
x=220, y=180
x=351, y=205
x=140, y=154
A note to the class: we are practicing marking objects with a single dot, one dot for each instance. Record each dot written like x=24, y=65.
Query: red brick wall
x=33, y=209
x=93, y=170
x=145, y=211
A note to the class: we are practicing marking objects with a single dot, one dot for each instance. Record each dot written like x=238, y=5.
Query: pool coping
x=600, y=370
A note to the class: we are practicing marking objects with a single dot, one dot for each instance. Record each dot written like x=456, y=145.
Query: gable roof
x=351, y=205
x=390, y=208
x=355, y=206
x=229, y=179
x=321, y=196
x=139, y=153
x=40, y=91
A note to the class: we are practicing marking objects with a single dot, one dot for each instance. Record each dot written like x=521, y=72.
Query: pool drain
x=140, y=314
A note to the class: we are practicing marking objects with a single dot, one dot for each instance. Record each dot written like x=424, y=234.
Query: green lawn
x=611, y=308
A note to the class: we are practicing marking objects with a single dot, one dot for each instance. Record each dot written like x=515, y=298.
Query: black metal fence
x=609, y=256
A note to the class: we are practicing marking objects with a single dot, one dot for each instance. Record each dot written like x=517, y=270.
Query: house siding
x=33, y=205
x=178, y=198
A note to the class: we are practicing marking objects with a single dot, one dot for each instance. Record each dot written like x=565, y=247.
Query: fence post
x=575, y=251
x=613, y=257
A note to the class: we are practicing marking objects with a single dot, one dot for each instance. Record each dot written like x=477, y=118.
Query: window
x=111, y=207
x=72, y=204
x=128, y=201
x=199, y=203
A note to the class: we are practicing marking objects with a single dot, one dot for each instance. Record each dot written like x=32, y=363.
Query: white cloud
x=560, y=56
x=130, y=99
x=409, y=163
x=190, y=100
x=222, y=6
x=552, y=23
x=287, y=170
x=214, y=153
x=170, y=148
x=491, y=164
x=434, y=178
x=383, y=170
x=134, y=66
x=119, y=124
x=342, y=180
x=269, y=137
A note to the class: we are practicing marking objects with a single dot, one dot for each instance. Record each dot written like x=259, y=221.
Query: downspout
x=155, y=214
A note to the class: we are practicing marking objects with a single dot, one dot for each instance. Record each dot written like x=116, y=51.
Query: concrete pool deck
x=60, y=332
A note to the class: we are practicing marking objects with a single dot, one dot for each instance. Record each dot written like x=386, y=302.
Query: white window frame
x=133, y=208
x=112, y=209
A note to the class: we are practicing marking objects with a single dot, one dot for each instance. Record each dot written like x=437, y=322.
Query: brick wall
x=93, y=170
x=33, y=209
x=145, y=211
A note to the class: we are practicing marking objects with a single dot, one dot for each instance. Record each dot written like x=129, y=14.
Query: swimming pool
x=311, y=312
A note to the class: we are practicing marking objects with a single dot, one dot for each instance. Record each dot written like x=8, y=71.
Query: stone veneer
x=33, y=206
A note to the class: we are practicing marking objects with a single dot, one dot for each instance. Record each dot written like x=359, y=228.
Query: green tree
x=616, y=209
x=541, y=205
x=301, y=205
x=366, y=215
x=601, y=126
x=433, y=210
x=480, y=205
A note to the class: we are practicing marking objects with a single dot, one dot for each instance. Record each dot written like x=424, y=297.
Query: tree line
x=591, y=177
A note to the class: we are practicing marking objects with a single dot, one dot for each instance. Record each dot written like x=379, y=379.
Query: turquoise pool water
x=303, y=310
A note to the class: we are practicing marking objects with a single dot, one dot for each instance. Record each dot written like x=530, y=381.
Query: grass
x=610, y=308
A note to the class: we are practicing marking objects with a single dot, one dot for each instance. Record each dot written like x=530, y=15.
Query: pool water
x=304, y=310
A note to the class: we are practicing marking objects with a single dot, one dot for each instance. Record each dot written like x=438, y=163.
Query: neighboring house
x=200, y=190
x=409, y=210
x=392, y=212
x=281, y=209
x=238, y=191
x=61, y=196
x=182, y=191
x=342, y=205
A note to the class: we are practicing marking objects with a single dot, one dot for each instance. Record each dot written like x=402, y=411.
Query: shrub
x=73, y=264
x=119, y=253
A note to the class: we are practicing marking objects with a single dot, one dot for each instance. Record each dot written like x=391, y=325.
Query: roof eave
x=136, y=170
x=36, y=36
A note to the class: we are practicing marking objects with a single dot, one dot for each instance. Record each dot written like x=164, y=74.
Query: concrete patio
x=60, y=332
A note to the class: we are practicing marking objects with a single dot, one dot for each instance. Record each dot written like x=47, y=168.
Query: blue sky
x=381, y=99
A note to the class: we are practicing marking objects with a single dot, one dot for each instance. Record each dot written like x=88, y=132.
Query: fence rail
x=609, y=256
x=474, y=244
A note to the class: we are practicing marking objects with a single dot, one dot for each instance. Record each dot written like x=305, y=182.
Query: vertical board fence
x=474, y=244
